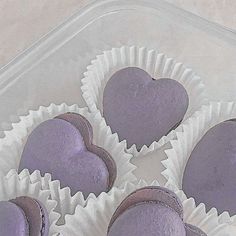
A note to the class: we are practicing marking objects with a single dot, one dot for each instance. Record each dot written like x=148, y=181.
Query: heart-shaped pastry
x=142, y=109
x=13, y=221
x=210, y=174
x=36, y=215
x=63, y=147
x=23, y=216
x=151, y=211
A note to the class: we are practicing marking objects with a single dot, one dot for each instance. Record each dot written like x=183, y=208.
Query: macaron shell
x=194, y=231
x=149, y=219
x=86, y=130
x=209, y=175
x=156, y=194
x=52, y=138
x=37, y=215
x=80, y=123
x=57, y=147
x=13, y=220
x=142, y=109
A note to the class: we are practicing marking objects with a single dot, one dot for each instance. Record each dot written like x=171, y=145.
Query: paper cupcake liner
x=157, y=65
x=69, y=68
x=98, y=213
x=12, y=186
x=193, y=131
x=66, y=203
x=11, y=146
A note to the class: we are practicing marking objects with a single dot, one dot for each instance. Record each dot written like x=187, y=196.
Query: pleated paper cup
x=12, y=186
x=11, y=146
x=95, y=217
x=66, y=203
x=193, y=131
x=157, y=65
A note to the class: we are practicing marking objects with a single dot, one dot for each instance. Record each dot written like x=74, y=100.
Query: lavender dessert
x=13, y=221
x=151, y=211
x=210, y=173
x=23, y=216
x=36, y=215
x=141, y=109
x=63, y=147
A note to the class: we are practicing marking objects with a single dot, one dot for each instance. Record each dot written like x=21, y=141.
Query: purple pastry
x=210, y=173
x=141, y=109
x=23, y=216
x=36, y=215
x=13, y=221
x=150, y=211
x=63, y=147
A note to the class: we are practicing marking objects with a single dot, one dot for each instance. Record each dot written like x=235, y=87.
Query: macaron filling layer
x=151, y=211
x=36, y=215
x=63, y=147
x=23, y=216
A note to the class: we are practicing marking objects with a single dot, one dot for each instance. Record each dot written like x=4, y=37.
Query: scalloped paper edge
x=12, y=186
x=193, y=131
x=157, y=65
x=11, y=146
x=98, y=213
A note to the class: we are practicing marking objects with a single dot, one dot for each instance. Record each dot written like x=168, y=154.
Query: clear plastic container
x=51, y=70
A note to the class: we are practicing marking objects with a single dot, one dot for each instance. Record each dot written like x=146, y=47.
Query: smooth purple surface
x=57, y=147
x=151, y=211
x=210, y=173
x=153, y=194
x=140, y=109
x=194, y=231
x=86, y=130
x=36, y=215
x=13, y=221
x=148, y=219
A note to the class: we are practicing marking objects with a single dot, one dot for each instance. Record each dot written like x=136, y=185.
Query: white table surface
x=22, y=22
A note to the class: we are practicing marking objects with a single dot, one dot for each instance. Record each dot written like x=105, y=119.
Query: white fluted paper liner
x=12, y=186
x=11, y=146
x=157, y=65
x=66, y=203
x=95, y=217
x=193, y=131
x=65, y=70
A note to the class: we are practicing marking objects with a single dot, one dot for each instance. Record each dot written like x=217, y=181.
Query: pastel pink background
x=22, y=22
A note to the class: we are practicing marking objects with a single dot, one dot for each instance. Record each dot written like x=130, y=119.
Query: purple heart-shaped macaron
x=36, y=215
x=151, y=211
x=142, y=109
x=13, y=221
x=63, y=147
x=23, y=216
x=210, y=174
